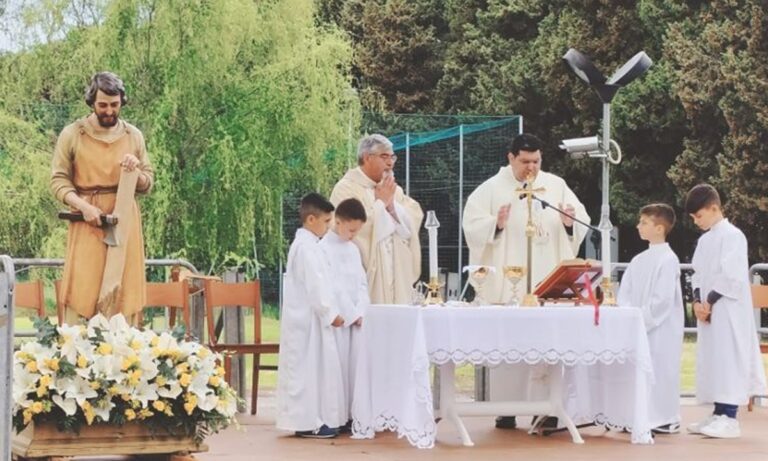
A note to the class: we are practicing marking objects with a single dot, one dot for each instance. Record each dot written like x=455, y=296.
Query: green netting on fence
x=401, y=140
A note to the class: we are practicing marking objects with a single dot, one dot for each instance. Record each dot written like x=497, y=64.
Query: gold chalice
x=479, y=276
x=514, y=274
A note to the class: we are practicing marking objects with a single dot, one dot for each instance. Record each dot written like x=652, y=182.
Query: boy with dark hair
x=729, y=368
x=350, y=289
x=310, y=393
x=652, y=283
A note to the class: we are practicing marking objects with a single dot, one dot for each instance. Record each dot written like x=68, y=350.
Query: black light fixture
x=606, y=89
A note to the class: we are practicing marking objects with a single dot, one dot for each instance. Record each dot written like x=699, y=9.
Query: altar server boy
x=310, y=391
x=350, y=289
x=729, y=368
x=652, y=283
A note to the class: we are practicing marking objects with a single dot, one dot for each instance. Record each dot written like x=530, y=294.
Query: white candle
x=432, y=224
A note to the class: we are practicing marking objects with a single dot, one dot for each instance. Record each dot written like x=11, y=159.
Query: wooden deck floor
x=260, y=440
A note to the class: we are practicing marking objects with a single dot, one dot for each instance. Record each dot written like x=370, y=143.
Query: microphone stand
x=546, y=204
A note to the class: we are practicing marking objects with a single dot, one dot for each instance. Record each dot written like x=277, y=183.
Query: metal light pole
x=606, y=89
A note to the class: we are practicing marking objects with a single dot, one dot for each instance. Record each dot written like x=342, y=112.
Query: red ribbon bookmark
x=592, y=299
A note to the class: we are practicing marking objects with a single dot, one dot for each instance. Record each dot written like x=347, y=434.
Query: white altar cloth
x=607, y=376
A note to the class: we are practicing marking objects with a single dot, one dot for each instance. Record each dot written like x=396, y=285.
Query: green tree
x=720, y=60
x=241, y=102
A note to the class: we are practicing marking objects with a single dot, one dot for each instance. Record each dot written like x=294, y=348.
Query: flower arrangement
x=111, y=373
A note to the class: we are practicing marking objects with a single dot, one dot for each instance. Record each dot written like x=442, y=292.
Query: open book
x=566, y=282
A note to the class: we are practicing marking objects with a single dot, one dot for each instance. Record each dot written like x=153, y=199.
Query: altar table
x=598, y=373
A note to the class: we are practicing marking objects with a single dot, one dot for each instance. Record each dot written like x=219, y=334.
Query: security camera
x=582, y=147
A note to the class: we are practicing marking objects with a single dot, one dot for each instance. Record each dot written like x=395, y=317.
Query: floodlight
x=583, y=67
x=632, y=69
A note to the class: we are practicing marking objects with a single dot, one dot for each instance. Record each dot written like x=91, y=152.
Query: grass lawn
x=465, y=375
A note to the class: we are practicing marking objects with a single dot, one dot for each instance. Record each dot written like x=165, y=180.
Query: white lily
x=170, y=391
x=69, y=405
x=144, y=392
x=77, y=388
x=208, y=402
x=72, y=337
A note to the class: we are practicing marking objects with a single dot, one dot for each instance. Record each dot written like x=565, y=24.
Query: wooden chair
x=174, y=296
x=247, y=295
x=759, y=301
x=59, y=302
x=30, y=295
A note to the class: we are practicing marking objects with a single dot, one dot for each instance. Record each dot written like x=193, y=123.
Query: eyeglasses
x=387, y=157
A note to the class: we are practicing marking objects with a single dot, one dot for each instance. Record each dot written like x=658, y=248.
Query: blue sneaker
x=323, y=432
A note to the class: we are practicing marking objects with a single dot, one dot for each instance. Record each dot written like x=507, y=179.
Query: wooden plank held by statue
x=567, y=282
x=109, y=294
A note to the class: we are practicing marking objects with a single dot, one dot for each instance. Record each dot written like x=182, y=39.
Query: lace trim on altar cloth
x=423, y=437
x=601, y=419
x=531, y=356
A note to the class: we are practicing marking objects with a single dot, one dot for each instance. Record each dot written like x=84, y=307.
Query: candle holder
x=514, y=274
x=433, y=292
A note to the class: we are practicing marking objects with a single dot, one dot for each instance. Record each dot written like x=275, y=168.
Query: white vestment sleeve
x=384, y=224
x=319, y=288
x=479, y=221
x=662, y=295
x=403, y=222
x=728, y=281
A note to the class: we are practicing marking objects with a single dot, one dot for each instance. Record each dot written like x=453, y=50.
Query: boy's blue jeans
x=726, y=409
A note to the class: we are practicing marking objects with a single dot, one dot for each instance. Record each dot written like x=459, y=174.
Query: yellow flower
x=53, y=364
x=130, y=415
x=95, y=385
x=104, y=349
x=128, y=362
x=189, y=407
x=88, y=412
x=153, y=342
x=134, y=377
x=37, y=407
x=41, y=391
x=168, y=411
x=126, y=397
x=32, y=366
x=27, y=416
x=145, y=413
x=136, y=344
x=161, y=381
x=182, y=367
x=203, y=353
x=113, y=390
x=158, y=405
x=214, y=381
x=185, y=379
x=220, y=371
x=82, y=362
x=45, y=380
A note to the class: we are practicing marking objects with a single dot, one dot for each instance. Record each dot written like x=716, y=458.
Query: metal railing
x=7, y=282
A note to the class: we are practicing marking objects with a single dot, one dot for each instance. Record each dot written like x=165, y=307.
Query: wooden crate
x=45, y=440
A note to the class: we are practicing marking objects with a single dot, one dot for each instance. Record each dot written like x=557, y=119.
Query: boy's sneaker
x=695, y=428
x=722, y=427
x=346, y=428
x=324, y=432
x=671, y=428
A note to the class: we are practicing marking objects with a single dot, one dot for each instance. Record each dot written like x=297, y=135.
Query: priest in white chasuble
x=389, y=240
x=494, y=227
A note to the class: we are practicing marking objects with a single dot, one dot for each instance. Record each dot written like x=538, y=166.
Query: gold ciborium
x=514, y=274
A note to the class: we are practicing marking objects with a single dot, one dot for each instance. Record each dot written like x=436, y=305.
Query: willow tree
x=240, y=102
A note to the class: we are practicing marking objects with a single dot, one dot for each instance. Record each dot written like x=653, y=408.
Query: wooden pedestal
x=43, y=441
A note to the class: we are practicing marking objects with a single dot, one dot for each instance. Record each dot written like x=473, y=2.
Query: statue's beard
x=107, y=121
